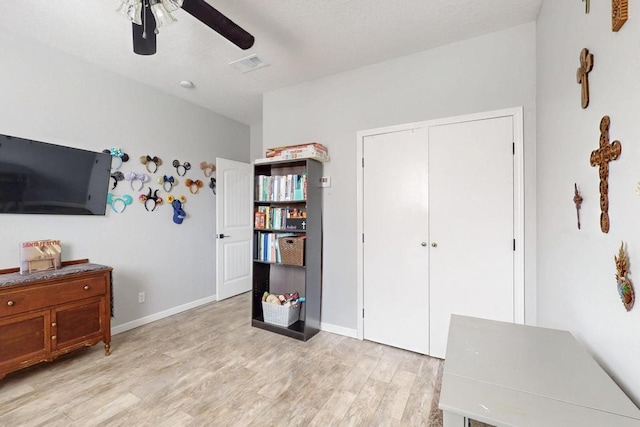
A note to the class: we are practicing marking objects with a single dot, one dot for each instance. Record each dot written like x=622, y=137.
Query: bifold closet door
x=471, y=224
x=395, y=250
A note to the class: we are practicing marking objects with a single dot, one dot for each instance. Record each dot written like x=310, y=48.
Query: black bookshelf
x=281, y=278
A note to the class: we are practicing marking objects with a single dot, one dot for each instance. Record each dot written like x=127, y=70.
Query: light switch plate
x=325, y=181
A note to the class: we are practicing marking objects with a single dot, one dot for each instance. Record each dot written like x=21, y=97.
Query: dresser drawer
x=38, y=297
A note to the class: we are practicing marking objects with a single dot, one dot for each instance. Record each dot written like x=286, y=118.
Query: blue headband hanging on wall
x=178, y=212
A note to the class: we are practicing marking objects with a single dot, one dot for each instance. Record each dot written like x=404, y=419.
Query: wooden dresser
x=46, y=314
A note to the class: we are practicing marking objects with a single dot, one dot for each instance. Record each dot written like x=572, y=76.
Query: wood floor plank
x=209, y=367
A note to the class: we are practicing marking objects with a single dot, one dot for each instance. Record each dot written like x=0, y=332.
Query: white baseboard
x=327, y=327
x=339, y=330
x=161, y=315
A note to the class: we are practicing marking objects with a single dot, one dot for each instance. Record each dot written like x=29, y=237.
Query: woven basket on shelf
x=280, y=315
x=291, y=250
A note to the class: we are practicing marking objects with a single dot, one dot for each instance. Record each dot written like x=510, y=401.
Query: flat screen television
x=42, y=178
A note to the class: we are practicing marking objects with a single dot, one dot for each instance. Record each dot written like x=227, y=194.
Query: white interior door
x=471, y=225
x=234, y=227
x=395, y=251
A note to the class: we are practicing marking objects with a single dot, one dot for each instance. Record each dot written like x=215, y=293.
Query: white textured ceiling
x=302, y=40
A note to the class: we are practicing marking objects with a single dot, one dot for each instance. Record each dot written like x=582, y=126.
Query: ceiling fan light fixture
x=162, y=15
x=132, y=10
x=161, y=9
x=172, y=5
x=148, y=15
x=187, y=84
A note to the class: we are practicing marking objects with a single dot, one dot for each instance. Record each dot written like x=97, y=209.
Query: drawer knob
x=53, y=337
x=10, y=303
x=86, y=287
x=53, y=324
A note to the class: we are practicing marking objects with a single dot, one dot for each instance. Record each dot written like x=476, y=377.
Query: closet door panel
x=396, y=263
x=471, y=225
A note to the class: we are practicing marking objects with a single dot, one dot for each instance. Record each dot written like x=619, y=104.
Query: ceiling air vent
x=250, y=63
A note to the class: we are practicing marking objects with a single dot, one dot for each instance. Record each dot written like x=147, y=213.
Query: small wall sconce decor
x=625, y=287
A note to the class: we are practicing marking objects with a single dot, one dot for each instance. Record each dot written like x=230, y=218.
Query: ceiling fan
x=147, y=15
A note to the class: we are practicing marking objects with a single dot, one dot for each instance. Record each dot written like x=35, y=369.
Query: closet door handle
x=434, y=245
x=423, y=244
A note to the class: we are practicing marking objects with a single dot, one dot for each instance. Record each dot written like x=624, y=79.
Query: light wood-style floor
x=209, y=367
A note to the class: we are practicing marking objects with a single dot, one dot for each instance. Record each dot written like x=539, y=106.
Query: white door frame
x=518, y=184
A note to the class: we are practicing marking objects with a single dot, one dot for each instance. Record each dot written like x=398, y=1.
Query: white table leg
x=449, y=419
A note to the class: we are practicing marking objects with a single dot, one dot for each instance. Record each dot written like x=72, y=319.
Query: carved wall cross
x=582, y=75
x=577, y=199
x=601, y=158
x=619, y=14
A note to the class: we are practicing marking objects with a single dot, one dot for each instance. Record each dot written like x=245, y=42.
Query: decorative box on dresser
x=47, y=314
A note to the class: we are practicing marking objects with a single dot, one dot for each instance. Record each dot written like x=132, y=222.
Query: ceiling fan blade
x=208, y=15
x=141, y=45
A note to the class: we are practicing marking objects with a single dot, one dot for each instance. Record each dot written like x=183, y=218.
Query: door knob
x=423, y=243
x=222, y=236
x=434, y=245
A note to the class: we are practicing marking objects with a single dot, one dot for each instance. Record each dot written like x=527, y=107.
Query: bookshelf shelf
x=300, y=180
x=278, y=230
x=278, y=202
x=279, y=264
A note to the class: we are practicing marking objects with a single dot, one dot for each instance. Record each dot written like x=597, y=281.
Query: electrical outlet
x=140, y=297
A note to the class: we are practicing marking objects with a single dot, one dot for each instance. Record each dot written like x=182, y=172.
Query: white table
x=506, y=374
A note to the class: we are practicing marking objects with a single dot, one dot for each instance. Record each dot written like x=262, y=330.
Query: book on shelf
x=40, y=255
x=267, y=248
x=276, y=218
x=281, y=188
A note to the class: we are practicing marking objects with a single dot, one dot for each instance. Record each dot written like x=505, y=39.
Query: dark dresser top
x=19, y=279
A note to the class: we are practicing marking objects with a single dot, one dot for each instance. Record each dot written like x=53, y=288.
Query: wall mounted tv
x=41, y=178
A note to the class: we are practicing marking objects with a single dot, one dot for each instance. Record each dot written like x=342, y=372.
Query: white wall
x=256, y=151
x=52, y=97
x=492, y=72
x=576, y=270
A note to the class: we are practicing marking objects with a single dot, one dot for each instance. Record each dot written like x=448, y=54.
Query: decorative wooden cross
x=619, y=14
x=601, y=158
x=582, y=75
x=577, y=199
x=586, y=6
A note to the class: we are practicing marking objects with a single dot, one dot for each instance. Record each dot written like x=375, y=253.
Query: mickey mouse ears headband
x=181, y=169
x=147, y=161
x=140, y=178
x=117, y=176
x=117, y=153
x=194, y=186
x=171, y=198
x=119, y=203
x=167, y=182
x=207, y=168
x=150, y=199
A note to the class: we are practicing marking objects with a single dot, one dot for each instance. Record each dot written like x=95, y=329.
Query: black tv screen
x=42, y=178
